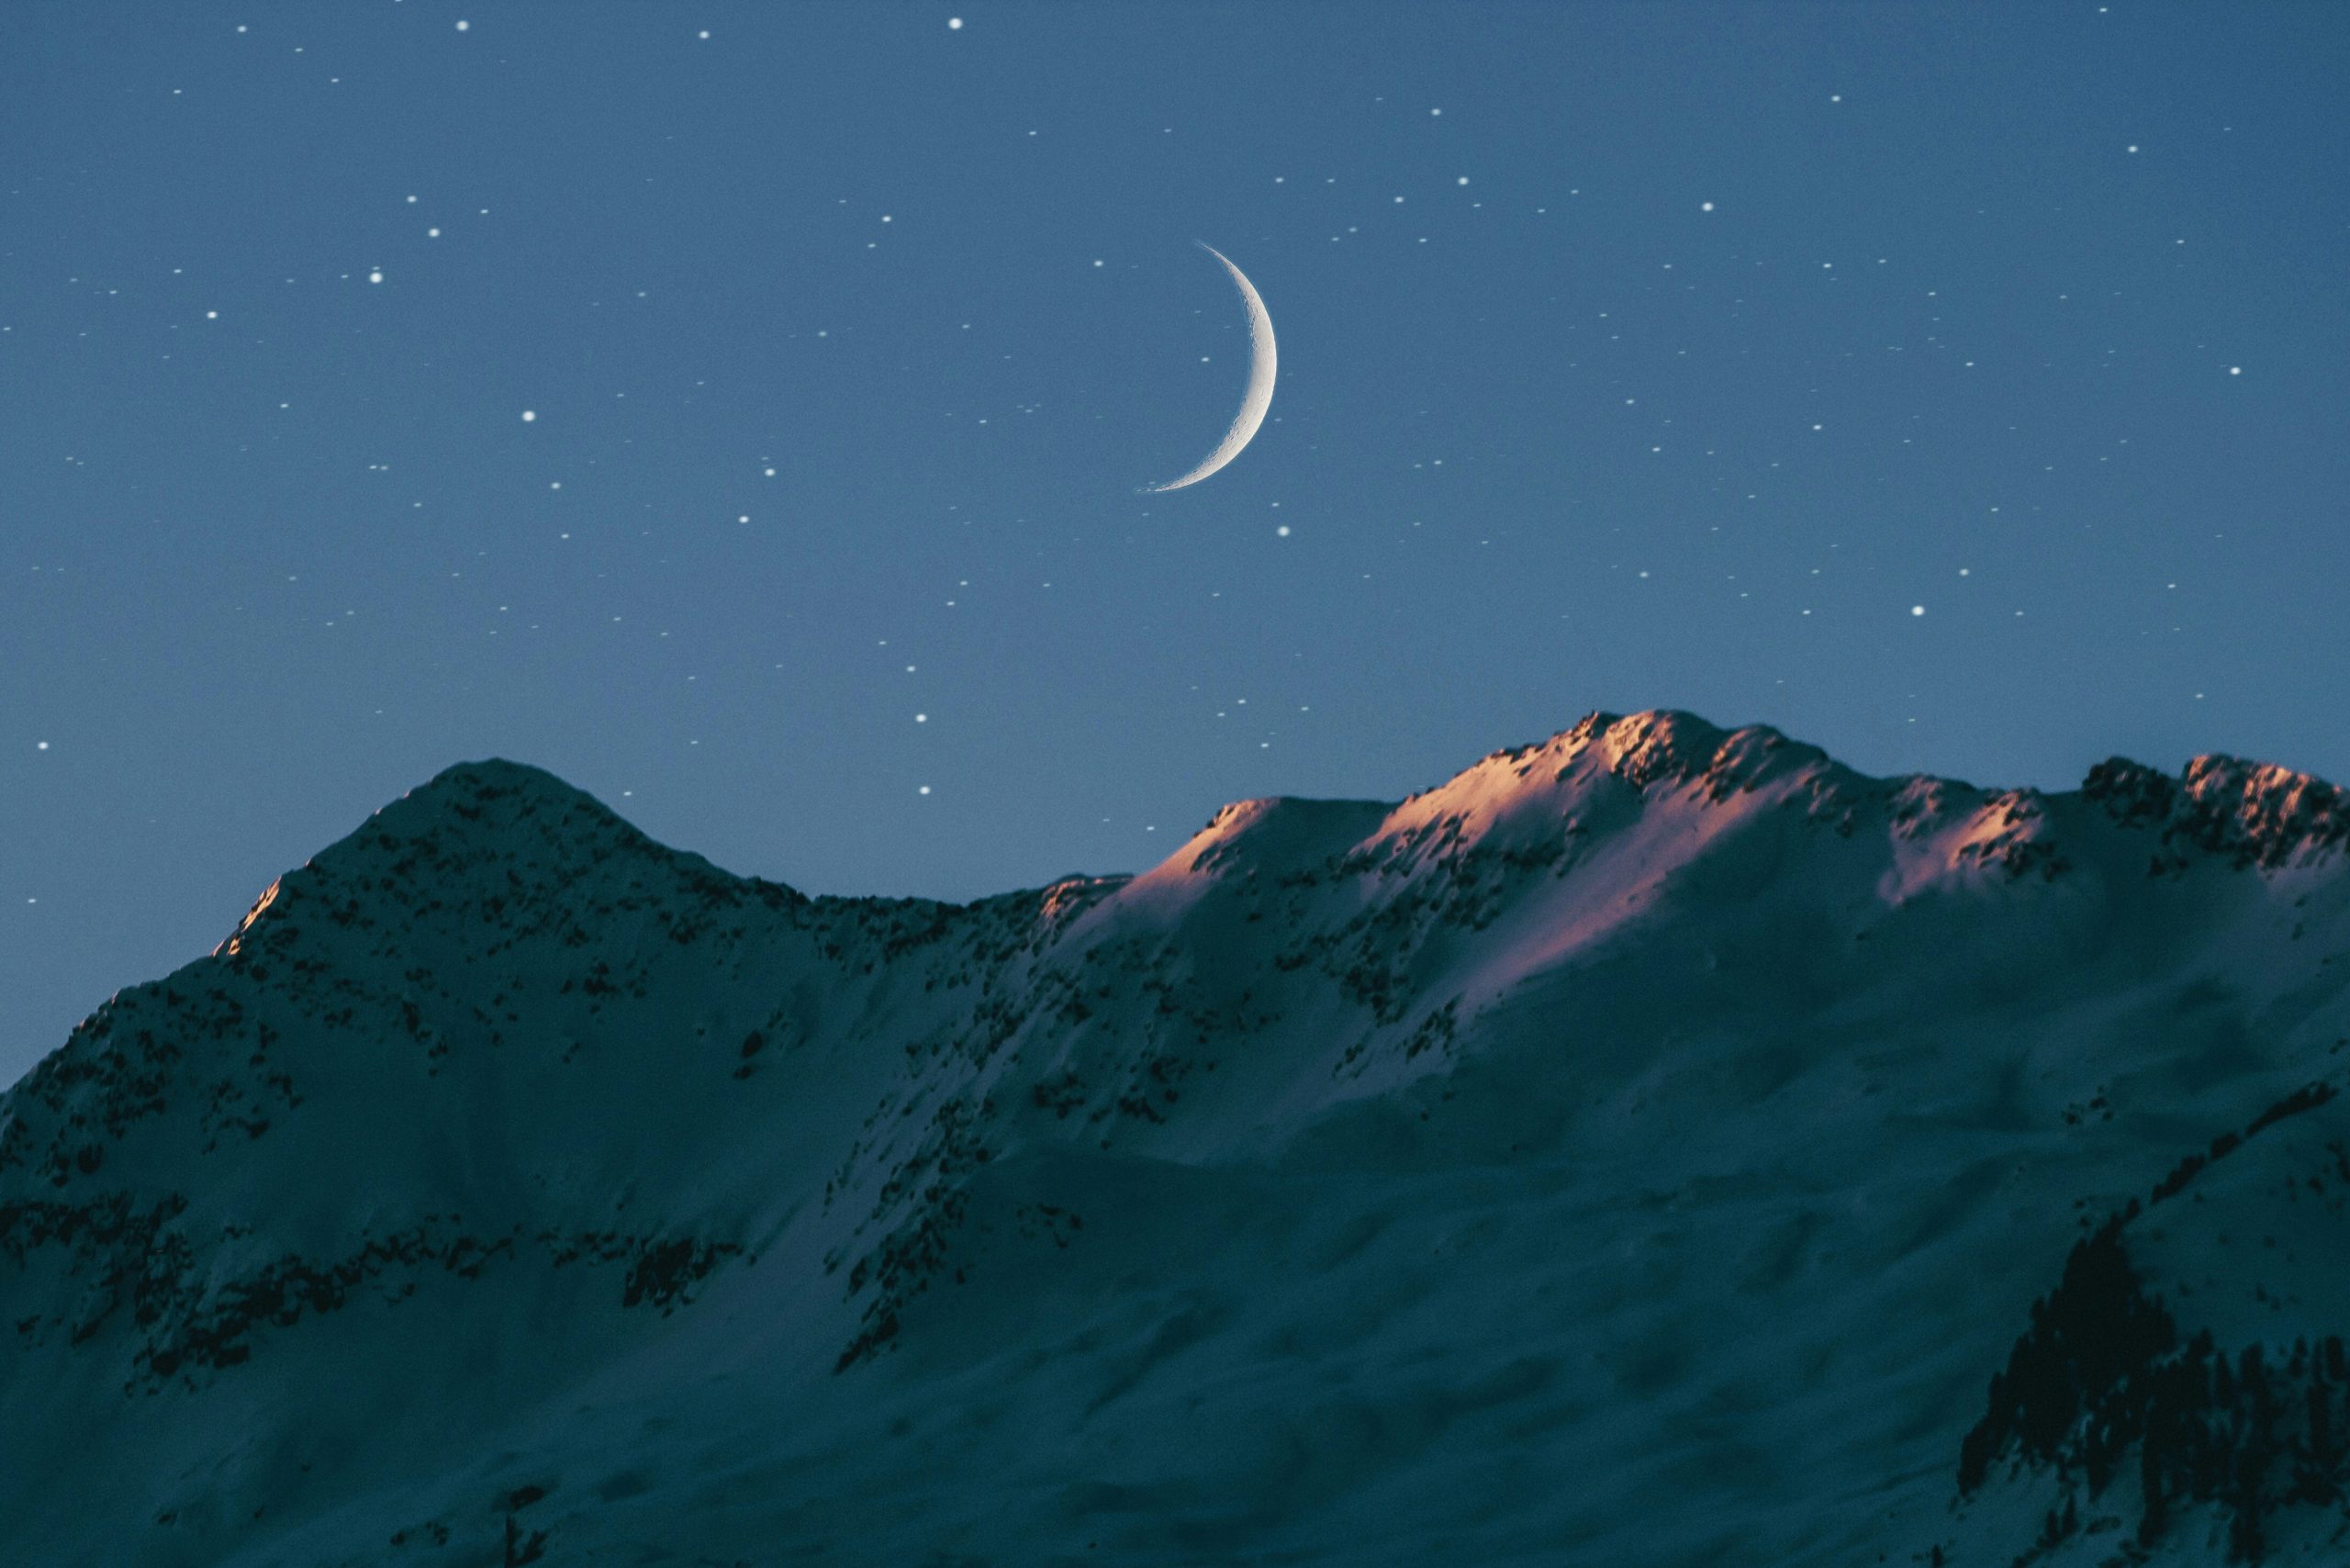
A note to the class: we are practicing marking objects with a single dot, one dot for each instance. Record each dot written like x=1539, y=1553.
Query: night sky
x=740, y=411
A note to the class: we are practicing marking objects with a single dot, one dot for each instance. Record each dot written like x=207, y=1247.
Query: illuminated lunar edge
x=1259, y=396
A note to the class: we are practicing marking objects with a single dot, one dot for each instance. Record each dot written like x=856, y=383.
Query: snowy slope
x=1643, y=1148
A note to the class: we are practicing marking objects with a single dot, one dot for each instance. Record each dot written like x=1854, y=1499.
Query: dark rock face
x=2102, y=1386
x=2249, y=813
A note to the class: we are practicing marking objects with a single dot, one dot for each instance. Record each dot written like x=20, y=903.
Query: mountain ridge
x=1647, y=1090
x=2218, y=802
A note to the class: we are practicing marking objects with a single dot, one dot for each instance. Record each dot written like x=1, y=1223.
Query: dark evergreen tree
x=2245, y=1543
x=2316, y=1482
x=2154, y=1487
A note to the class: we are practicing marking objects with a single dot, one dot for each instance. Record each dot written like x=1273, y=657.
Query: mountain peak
x=488, y=836
x=1663, y=743
x=496, y=791
x=2254, y=813
x=1608, y=763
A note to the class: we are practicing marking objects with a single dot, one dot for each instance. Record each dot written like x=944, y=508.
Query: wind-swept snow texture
x=1647, y=1147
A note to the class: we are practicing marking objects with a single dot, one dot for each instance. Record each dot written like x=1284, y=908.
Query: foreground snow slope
x=1643, y=1148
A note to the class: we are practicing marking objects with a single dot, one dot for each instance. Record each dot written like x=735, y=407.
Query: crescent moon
x=1259, y=396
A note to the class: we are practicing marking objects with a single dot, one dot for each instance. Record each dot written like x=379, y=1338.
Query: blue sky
x=1705, y=345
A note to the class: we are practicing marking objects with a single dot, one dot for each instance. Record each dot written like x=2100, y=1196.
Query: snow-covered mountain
x=1655, y=1146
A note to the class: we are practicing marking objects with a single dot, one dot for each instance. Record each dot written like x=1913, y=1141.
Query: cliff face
x=1643, y=1147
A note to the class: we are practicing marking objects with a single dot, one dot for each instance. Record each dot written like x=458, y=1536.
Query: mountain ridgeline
x=1658, y=1144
